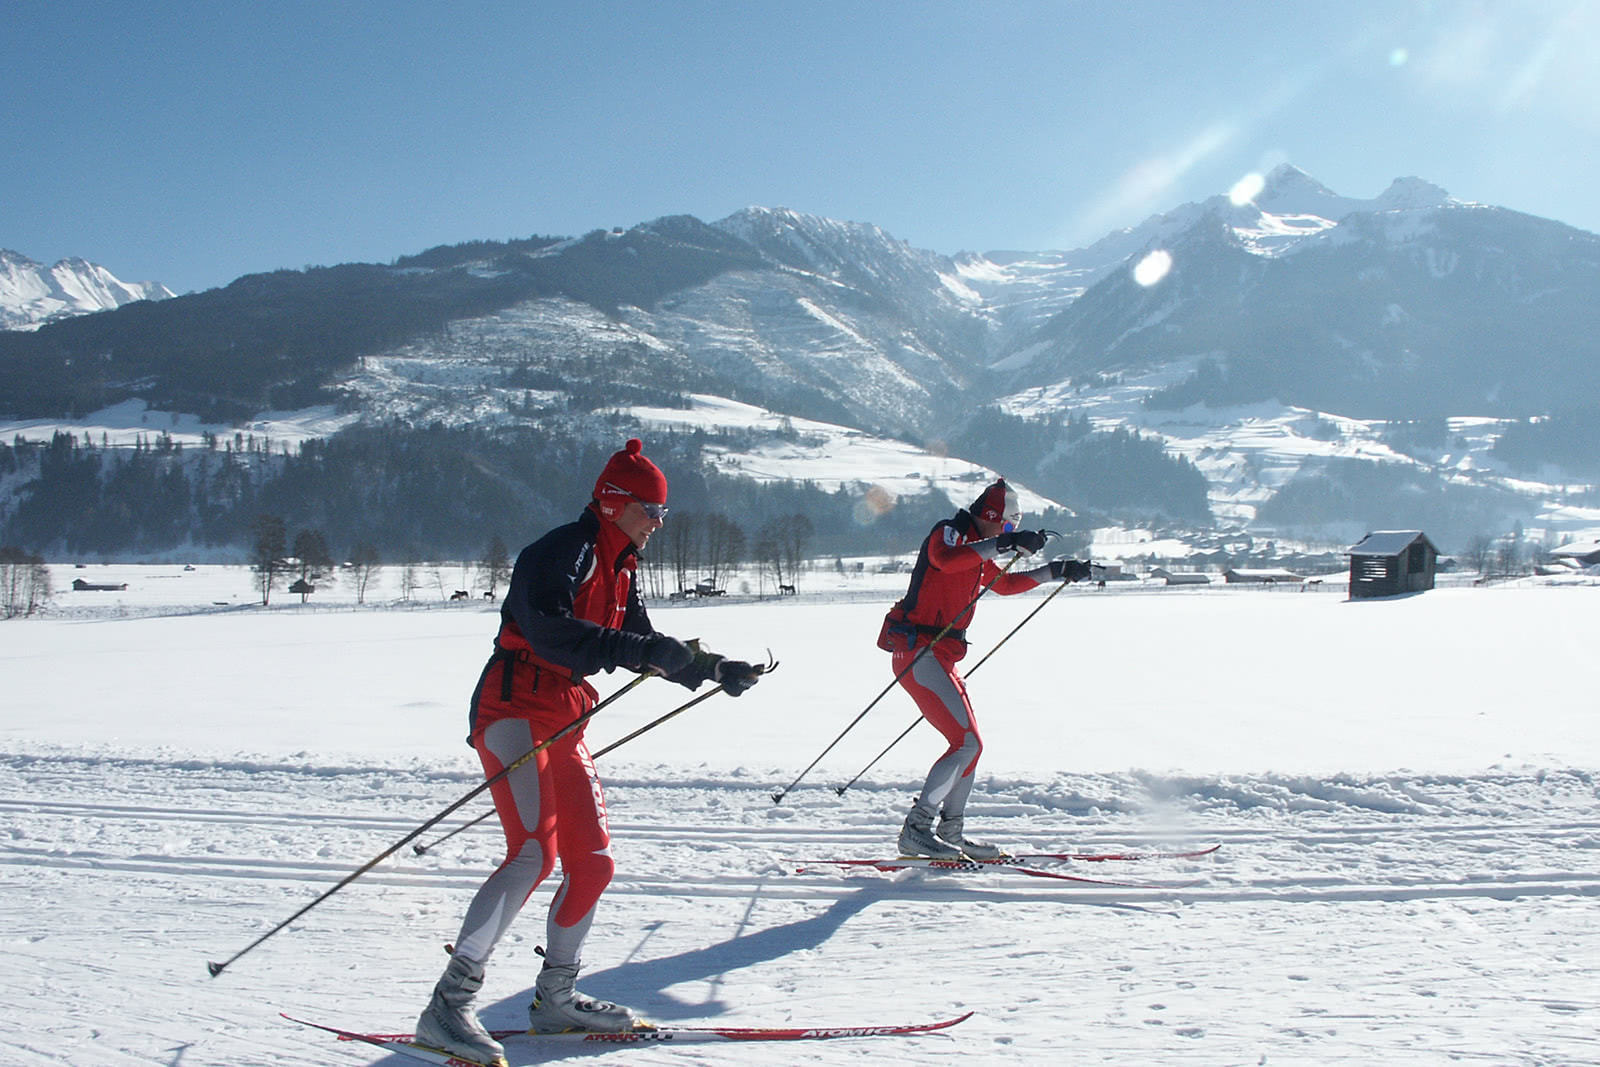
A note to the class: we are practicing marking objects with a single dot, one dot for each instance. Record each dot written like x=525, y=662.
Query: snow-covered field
x=1404, y=792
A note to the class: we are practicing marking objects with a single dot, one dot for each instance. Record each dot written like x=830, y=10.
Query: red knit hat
x=998, y=503
x=629, y=476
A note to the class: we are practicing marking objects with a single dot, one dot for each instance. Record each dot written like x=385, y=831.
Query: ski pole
x=771, y=665
x=777, y=797
x=841, y=789
x=575, y=724
x=422, y=850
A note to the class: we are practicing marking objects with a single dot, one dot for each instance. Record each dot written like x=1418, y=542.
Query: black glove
x=664, y=655
x=1025, y=541
x=736, y=675
x=1073, y=570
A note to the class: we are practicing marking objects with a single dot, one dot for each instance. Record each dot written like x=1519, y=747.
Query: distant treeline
x=1569, y=442
x=1115, y=472
x=413, y=494
x=1367, y=495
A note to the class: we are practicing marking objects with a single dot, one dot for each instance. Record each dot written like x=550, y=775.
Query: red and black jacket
x=945, y=583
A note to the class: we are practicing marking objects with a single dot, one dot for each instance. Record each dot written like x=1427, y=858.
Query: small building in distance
x=1391, y=562
x=1581, y=553
x=82, y=586
x=1180, y=577
x=1259, y=576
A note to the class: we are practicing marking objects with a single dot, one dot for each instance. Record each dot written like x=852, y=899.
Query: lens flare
x=1152, y=268
x=878, y=501
x=1246, y=189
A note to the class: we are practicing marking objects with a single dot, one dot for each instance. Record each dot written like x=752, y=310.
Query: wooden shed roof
x=1388, y=543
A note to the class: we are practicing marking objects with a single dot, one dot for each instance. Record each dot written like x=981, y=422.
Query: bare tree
x=24, y=583
x=768, y=554
x=266, y=552
x=364, y=566
x=796, y=534
x=311, y=550
x=1480, y=551
x=1508, y=554
x=724, y=547
x=1542, y=552
x=496, y=564
x=681, y=546
x=652, y=574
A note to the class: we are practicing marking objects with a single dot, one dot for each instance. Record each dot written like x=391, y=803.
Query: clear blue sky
x=189, y=143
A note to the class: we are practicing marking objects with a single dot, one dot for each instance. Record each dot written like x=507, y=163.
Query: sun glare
x=1152, y=268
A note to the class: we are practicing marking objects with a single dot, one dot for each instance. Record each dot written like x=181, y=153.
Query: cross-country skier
x=956, y=562
x=571, y=609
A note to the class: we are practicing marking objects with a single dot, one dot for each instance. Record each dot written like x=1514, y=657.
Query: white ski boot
x=950, y=832
x=916, y=837
x=559, y=1008
x=449, y=1024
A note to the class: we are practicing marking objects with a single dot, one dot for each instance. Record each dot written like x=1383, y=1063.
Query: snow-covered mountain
x=1410, y=305
x=1296, y=340
x=806, y=315
x=32, y=294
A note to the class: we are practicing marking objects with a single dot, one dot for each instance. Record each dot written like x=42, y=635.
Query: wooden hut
x=1390, y=562
x=1180, y=577
x=98, y=587
x=1259, y=576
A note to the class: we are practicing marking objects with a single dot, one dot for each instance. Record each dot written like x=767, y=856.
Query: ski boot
x=559, y=1008
x=448, y=1024
x=949, y=831
x=916, y=837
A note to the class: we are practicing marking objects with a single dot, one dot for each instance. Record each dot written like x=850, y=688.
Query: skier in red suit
x=572, y=609
x=956, y=562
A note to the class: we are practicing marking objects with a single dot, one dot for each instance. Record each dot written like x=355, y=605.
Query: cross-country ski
x=1105, y=857
x=973, y=866
x=650, y=1035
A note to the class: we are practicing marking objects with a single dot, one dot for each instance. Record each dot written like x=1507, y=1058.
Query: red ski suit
x=571, y=610
x=946, y=580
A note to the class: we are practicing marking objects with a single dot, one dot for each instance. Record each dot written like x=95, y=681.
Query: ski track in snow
x=1296, y=942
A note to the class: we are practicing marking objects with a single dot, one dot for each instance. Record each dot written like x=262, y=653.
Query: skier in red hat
x=572, y=609
x=956, y=562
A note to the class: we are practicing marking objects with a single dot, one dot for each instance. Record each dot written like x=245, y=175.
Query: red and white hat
x=998, y=503
x=628, y=475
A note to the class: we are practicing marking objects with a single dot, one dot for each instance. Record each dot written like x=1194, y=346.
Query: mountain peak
x=1286, y=179
x=32, y=294
x=1288, y=190
x=1411, y=193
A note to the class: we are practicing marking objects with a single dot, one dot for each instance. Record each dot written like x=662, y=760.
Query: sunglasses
x=657, y=512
